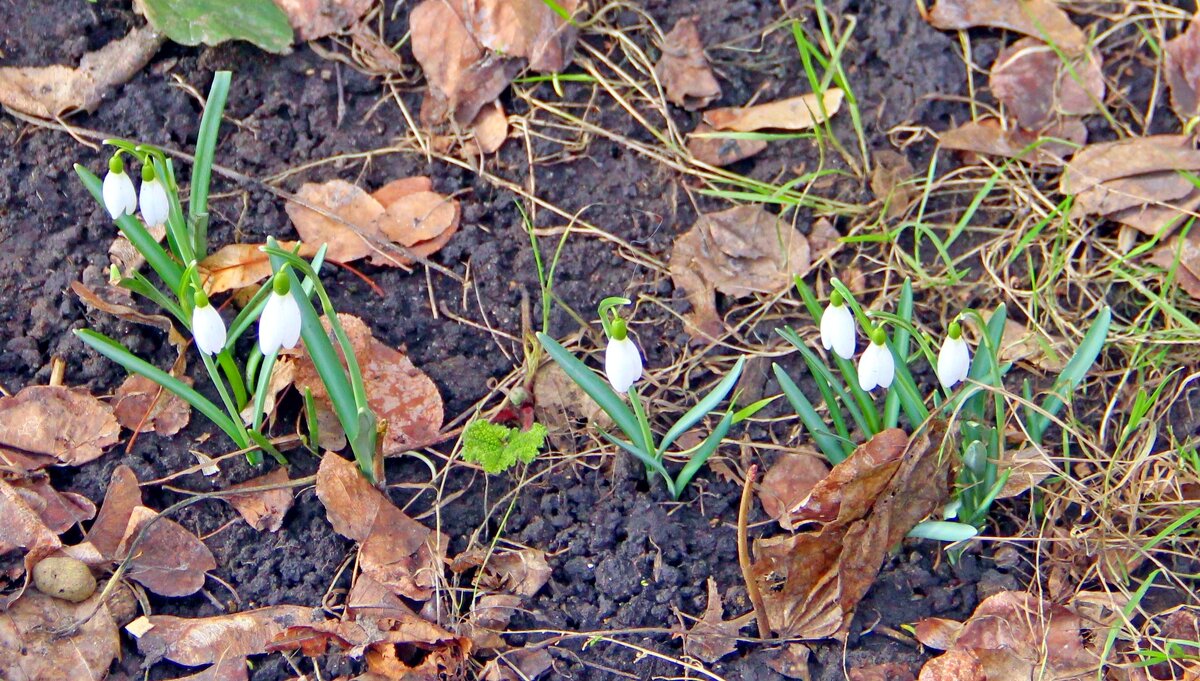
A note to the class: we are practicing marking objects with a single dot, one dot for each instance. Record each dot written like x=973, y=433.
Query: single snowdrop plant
x=976, y=423
x=207, y=326
x=622, y=369
x=837, y=327
x=280, y=322
x=120, y=198
x=152, y=197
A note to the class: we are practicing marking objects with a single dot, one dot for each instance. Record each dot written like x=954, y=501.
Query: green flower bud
x=281, y=283
x=879, y=336
x=115, y=164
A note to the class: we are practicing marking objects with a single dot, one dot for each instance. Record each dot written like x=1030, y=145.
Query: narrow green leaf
x=1074, y=372
x=700, y=457
x=753, y=408
x=943, y=530
x=653, y=464
x=191, y=22
x=904, y=310
x=262, y=386
x=829, y=444
x=827, y=383
x=597, y=388
x=206, y=141
x=703, y=407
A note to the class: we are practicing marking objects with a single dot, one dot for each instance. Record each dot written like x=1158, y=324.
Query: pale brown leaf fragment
x=522, y=664
x=314, y=19
x=1026, y=468
x=1019, y=343
x=790, y=480
x=129, y=314
x=890, y=182
x=712, y=637
x=207, y=640
x=1181, y=67
x=144, y=406
x=68, y=424
x=60, y=511
x=795, y=113
x=49, y=91
x=1036, y=86
x=349, y=202
x=522, y=571
x=989, y=137
x=236, y=266
x=529, y=29
x=1181, y=257
x=418, y=218
x=121, y=498
x=490, y=128
x=396, y=550
x=22, y=530
x=791, y=660
x=169, y=560
x=683, y=69
x=1040, y=19
x=264, y=511
x=1105, y=161
x=721, y=151
x=31, y=650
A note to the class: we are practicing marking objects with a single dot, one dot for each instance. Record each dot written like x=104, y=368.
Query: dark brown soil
x=623, y=557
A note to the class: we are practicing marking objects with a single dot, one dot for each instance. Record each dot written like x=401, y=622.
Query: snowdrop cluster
x=121, y=198
x=877, y=366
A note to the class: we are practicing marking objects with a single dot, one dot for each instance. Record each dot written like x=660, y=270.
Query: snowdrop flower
x=876, y=368
x=837, y=327
x=153, y=197
x=120, y=198
x=279, y=324
x=954, y=359
x=622, y=360
x=207, y=326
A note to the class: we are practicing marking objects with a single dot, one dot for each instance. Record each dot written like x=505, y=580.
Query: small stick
x=743, y=542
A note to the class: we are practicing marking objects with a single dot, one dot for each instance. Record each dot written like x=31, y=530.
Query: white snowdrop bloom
x=120, y=198
x=954, y=359
x=153, y=198
x=279, y=324
x=876, y=368
x=622, y=363
x=208, y=328
x=837, y=327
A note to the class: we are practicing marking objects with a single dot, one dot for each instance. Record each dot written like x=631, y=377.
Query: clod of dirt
x=471, y=49
x=396, y=551
x=795, y=113
x=67, y=424
x=51, y=91
x=1181, y=68
x=712, y=637
x=1040, y=19
x=169, y=560
x=740, y=251
x=683, y=69
x=992, y=138
x=208, y=640
x=264, y=511
x=789, y=481
x=719, y=151
x=143, y=406
x=64, y=577
x=397, y=391
x=1037, y=86
x=29, y=638
x=811, y=581
x=404, y=212
x=1012, y=635
x=122, y=496
x=312, y=19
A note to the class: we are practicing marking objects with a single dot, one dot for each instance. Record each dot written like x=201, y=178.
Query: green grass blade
x=652, y=464
x=596, y=388
x=703, y=407
x=828, y=443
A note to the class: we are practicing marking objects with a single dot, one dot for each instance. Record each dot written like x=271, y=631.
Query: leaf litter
x=34, y=651
x=683, y=69
x=713, y=637
x=62, y=425
x=263, y=510
x=1041, y=19
x=143, y=406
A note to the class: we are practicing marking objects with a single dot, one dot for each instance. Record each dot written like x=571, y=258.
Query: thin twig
x=743, y=541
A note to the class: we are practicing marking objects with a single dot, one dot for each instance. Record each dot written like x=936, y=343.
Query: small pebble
x=65, y=578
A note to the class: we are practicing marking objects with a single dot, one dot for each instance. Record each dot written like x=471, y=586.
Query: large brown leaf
x=68, y=424
x=123, y=495
x=789, y=481
x=522, y=572
x=59, y=511
x=236, y=266
x=812, y=581
x=683, y=68
x=1040, y=19
x=396, y=550
x=143, y=406
x=169, y=560
x=207, y=640
x=31, y=650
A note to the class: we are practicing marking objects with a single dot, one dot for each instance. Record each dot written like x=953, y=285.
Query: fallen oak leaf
x=207, y=640
x=67, y=424
x=713, y=637
x=683, y=69
x=50, y=91
x=263, y=510
x=1041, y=19
x=32, y=650
x=167, y=559
x=795, y=113
x=143, y=406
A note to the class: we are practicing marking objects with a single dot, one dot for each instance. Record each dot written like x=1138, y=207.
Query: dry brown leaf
x=22, y=529
x=59, y=511
x=490, y=128
x=123, y=495
x=126, y=256
x=791, y=660
x=283, y=375
x=488, y=618
x=956, y=665
x=264, y=511
x=789, y=480
x=397, y=391
x=421, y=221
x=1027, y=467
x=349, y=202
x=990, y=138
x=31, y=650
x=129, y=314
x=1019, y=343
x=1181, y=67
x=683, y=68
x=889, y=182
x=522, y=572
x=207, y=640
x=1181, y=256
x=795, y=113
x=1015, y=635
x=522, y=664
x=68, y=424
x=1036, y=86
x=169, y=560
x=396, y=550
x=49, y=91
x=314, y=19
x=720, y=151
x=811, y=581
x=393, y=662
x=1040, y=19
x=143, y=406
x=886, y=671
x=529, y=29
x=712, y=637
x=740, y=251
x=237, y=266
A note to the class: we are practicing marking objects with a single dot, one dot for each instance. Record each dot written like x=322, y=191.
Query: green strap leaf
x=829, y=444
x=900, y=343
x=191, y=22
x=703, y=407
x=702, y=454
x=1074, y=372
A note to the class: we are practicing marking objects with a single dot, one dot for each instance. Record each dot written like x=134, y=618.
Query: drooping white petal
x=155, y=206
x=954, y=361
x=837, y=330
x=876, y=368
x=279, y=325
x=120, y=198
x=208, y=329
x=622, y=364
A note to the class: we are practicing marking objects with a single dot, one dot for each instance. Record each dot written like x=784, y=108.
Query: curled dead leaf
x=789, y=481
x=208, y=640
x=1019, y=343
x=264, y=511
x=22, y=530
x=59, y=511
x=712, y=637
x=522, y=664
x=144, y=406
x=1041, y=19
x=795, y=113
x=168, y=560
x=31, y=650
x=49, y=91
x=1180, y=256
x=683, y=69
x=67, y=424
